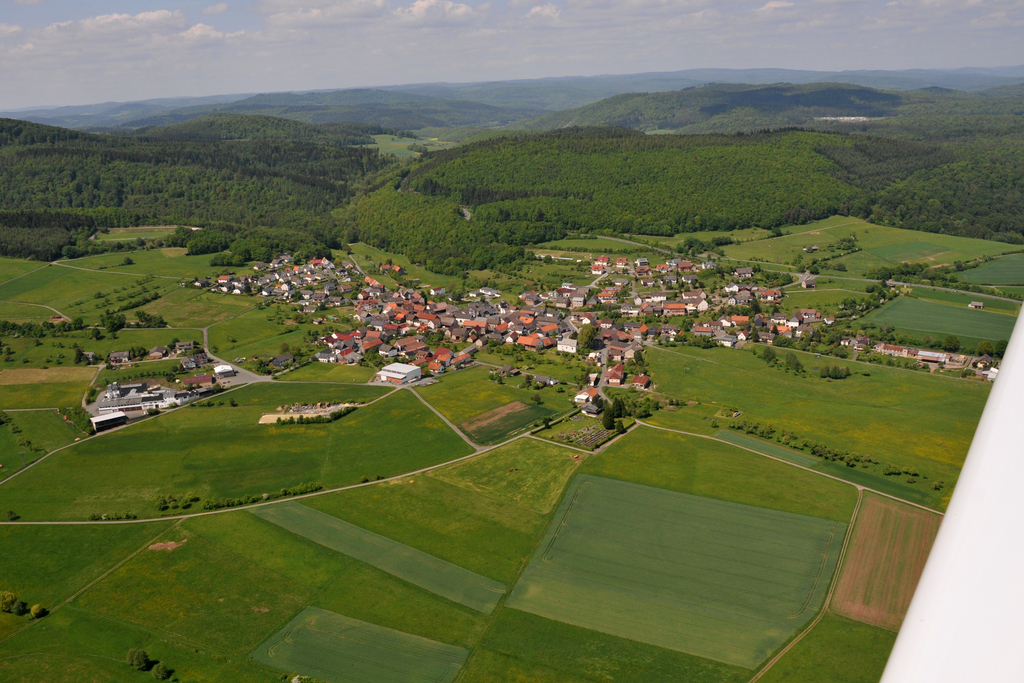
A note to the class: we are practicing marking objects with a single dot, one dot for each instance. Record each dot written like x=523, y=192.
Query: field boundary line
x=114, y=272
x=93, y=582
x=448, y=422
x=26, y=303
x=859, y=487
x=23, y=275
x=828, y=597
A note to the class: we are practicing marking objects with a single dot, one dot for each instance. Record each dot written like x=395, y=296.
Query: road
x=25, y=303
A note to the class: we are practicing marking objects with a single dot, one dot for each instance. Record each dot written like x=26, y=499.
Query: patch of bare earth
x=492, y=416
x=887, y=553
x=168, y=545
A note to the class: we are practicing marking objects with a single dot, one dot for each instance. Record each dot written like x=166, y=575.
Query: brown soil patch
x=884, y=561
x=168, y=545
x=41, y=376
x=492, y=416
x=261, y=610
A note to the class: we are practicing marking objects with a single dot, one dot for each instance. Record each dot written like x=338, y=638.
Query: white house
x=398, y=373
x=224, y=371
x=567, y=345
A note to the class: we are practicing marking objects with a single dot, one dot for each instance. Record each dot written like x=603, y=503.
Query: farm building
x=104, y=422
x=224, y=371
x=976, y=304
x=399, y=373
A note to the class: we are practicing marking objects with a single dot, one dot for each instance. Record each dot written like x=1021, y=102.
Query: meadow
x=343, y=650
x=909, y=419
x=879, y=246
x=40, y=394
x=714, y=579
x=148, y=232
x=57, y=353
x=1007, y=270
x=368, y=255
x=888, y=548
x=468, y=393
x=11, y=268
x=192, y=307
x=169, y=262
x=43, y=430
x=919, y=317
x=958, y=299
x=221, y=451
x=261, y=332
x=328, y=372
x=20, y=313
x=418, y=568
x=837, y=651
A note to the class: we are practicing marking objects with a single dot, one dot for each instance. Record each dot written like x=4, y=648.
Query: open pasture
x=329, y=372
x=714, y=579
x=418, y=568
x=45, y=430
x=711, y=469
x=879, y=245
x=528, y=473
x=887, y=552
x=368, y=254
x=520, y=646
x=957, y=299
x=835, y=651
x=1007, y=270
x=469, y=393
x=786, y=454
x=264, y=332
x=938, y=320
x=21, y=313
x=338, y=649
x=146, y=232
x=221, y=451
x=49, y=564
x=902, y=417
x=11, y=268
x=500, y=423
x=55, y=394
x=167, y=263
x=191, y=307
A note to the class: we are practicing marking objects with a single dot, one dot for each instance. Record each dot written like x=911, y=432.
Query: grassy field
x=895, y=416
x=146, y=232
x=24, y=313
x=714, y=579
x=880, y=245
x=45, y=429
x=399, y=146
x=338, y=649
x=769, y=448
x=152, y=371
x=1008, y=270
x=191, y=307
x=835, y=651
x=416, y=567
x=167, y=263
x=469, y=393
x=46, y=565
x=259, y=333
x=368, y=255
x=886, y=556
x=938, y=320
x=41, y=395
x=526, y=472
x=520, y=646
x=329, y=372
x=710, y=469
x=58, y=354
x=11, y=268
x=956, y=299
x=222, y=452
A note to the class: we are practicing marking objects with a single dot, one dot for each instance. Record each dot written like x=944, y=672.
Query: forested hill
x=396, y=110
x=730, y=108
x=57, y=186
x=216, y=127
x=532, y=188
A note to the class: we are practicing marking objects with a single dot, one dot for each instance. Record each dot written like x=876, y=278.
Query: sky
x=59, y=52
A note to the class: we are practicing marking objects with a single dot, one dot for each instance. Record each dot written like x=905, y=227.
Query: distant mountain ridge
x=490, y=104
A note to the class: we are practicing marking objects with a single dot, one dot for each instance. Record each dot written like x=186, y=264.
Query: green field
x=11, y=268
x=416, y=567
x=958, y=299
x=368, y=255
x=329, y=372
x=337, y=649
x=167, y=263
x=222, y=452
x=261, y=333
x=42, y=395
x=42, y=430
x=192, y=307
x=520, y=646
x=835, y=651
x=24, y=312
x=1008, y=270
x=718, y=580
x=469, y=393
x=880, y=246
x=938, y=320
x=910, y=419
x=526, y=472
x=148, y=232
x=58, y=352
x=786, y=454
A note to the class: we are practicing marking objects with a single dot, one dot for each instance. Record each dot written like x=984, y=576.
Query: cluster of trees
x=834, y=372
x=316, y=419
x=249, y=499
x=78, y=417
x=792, y=440
x=139, y=659
x=57, y=186
x=10, y=604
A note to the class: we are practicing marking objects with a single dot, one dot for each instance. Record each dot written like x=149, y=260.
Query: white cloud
x=775, y=4
x=313, y=14
x=546, y=11
x=7, y=30
x=439, y=12
x=206, y=32
x=219, y=8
